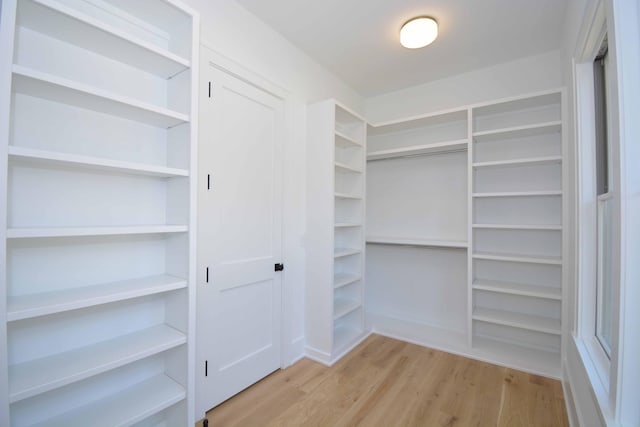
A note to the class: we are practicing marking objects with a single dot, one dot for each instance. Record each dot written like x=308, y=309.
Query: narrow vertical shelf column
x=336, y=220
x=515, y=264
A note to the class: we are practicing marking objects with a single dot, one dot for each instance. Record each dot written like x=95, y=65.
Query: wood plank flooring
x=385, y=382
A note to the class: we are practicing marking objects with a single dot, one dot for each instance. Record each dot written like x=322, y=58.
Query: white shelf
x=531, y=259
x=345, y=141
x=417, y=150
x=528, y=359
x=38, y=376
x=347, y=224
x=541, y=227
x=93, y=163
x=42, y=232
x=518, y=131
x=517, y=320
x=340, y=280
x=34, y=305
x=56, y=89
x=125, y=408
x=545, y=292
x=342, y=167
x=385, y=240
x=61, y=22
x=342, y=307
x=347, y=196
x=344, y=337
x=519, y=194
x=342, y=252
x=532, y=161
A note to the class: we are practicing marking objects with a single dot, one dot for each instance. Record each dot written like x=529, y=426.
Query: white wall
x=233, y=32
x=531, y=74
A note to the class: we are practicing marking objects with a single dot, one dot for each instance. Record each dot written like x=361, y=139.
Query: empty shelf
x=531, y=259
x=93, y=163
x=56, y=89
x=28, y=306
x=518, y=289
x=345, y=141
x=61, y=22
x=340, y=280
x=342, y=167
x=384, y=240
x=344, y=337
x=342, y=252
x=342, y=307
x=517, y=320
x=38, y=376
x=347, y=224
x=518, y=131
x=124, y=408
x=519, y=194
x=542, y=227
x=42, y=232
x=347, y=196
x=550, y=160
x=416, y=150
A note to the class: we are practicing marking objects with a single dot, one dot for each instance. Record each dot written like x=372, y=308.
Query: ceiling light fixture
x=418, y=32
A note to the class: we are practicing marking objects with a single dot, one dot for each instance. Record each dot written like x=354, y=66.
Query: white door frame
x=212, y=58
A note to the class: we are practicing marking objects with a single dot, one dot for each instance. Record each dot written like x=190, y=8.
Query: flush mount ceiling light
x=418, y=32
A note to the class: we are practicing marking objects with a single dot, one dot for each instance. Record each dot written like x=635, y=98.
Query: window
x=605, y=214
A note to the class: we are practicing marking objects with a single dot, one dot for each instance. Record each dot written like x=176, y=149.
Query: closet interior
x=464, y=231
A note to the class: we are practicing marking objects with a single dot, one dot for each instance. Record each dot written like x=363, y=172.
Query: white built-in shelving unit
x=516, y=280
x=98, y=120
x=335, y=240
x=464, y=230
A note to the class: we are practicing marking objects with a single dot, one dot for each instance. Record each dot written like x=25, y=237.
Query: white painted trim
x=356, y=343
x=7, y=32
x=325, y=358
x=194, y=112
x=626, y=65
x=569, y=398
x=297, y=354
x=426, y=342
x=592, y=34
x=317, y=355
x=229, y=66
x=578, y=392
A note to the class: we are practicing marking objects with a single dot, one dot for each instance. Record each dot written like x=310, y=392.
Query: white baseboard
x=450, y=341
x=317, y=355
x=569, y=401
x=326, y=359
x=296, y=352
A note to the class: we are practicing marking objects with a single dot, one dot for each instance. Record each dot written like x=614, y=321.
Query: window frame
x=615, y=382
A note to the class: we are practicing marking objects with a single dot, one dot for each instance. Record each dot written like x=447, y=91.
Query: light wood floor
x=385, y=382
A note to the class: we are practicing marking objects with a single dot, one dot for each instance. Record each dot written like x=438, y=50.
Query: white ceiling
x=358, y=39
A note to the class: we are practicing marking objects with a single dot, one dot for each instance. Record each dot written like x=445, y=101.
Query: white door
x=239, y=237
